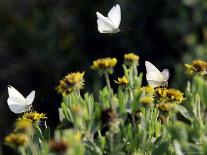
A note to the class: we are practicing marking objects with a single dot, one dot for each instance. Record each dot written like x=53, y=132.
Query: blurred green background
x=42, y=40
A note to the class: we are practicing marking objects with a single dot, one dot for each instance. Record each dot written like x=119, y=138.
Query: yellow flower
x=70, y=82
x=122, y=81
x=63, y=88
x=75, y=78
x=34, y=116
x=175, y=95
x=197, y=67
x=16, y=140
x=147, y=100
x=131, y=57
x=23, y=126
x=104, y=63
x=189, y=69
x=165, y=107
x=147, y=90
x=168, y=95
x=160, y=92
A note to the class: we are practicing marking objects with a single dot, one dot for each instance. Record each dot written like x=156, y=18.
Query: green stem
x=111, y=142
x=131, y=76
x=32, y=148
x=109, y=89
x=135, y=73
x=22, y=151
x=107, y=80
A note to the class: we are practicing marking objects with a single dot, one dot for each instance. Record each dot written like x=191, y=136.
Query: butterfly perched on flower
x=154, y=77
x=17, y=102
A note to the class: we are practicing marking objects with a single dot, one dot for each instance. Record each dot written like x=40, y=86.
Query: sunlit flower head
x=34, y=116
x=23, y=126
x=131, y=58
x=165, y=107
x=16, y=140
x=75, y=78
x=146, y=100
x=147, y=90
x=169, y=95
x=175, y=95
x=160, y=92
x=63, y=88
x=58, y=147
x=104, y=63
x=121, y=81
x=70, y=82
x=197, y=67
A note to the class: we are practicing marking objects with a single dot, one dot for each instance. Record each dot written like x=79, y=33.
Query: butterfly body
x=154, y=77
x=111, y=23
x=17, y=102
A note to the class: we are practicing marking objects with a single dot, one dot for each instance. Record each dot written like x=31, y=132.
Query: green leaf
x=46, y=134
x=201, y=87
x=65, y=111
x=183, y=111
x=161, y=149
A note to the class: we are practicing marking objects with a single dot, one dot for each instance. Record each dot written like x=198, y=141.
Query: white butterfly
x=111, y=23
x=17, y=102
x=155, y=78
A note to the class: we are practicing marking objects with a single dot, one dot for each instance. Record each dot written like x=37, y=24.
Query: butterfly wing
x=17, y=105
x=165, y=73
x=153, y=75
x=14, y=93
x=104, y=24
x=30, y=98
x=16, y=101
x=115, y=16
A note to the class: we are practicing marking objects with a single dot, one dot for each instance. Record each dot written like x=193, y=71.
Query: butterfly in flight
x=17, y=102
x=111, y=23
x=154, y=77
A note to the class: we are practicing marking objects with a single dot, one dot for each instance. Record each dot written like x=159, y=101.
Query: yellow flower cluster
x=169, y=95
x=75, y=78
x=147, y=100
x=104, y=63
x=16, y=140
x=34, y=116
x=165, y=107
x=23, y=129
x=161, y=92
x=147, y=90
x=70, y=82
x=23, y=126
x=122, y=81
x=197, y=67
x=147, y=95
x=131, y=57
x=175, y=95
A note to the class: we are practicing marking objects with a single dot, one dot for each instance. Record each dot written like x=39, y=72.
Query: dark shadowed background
x=42, y=40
